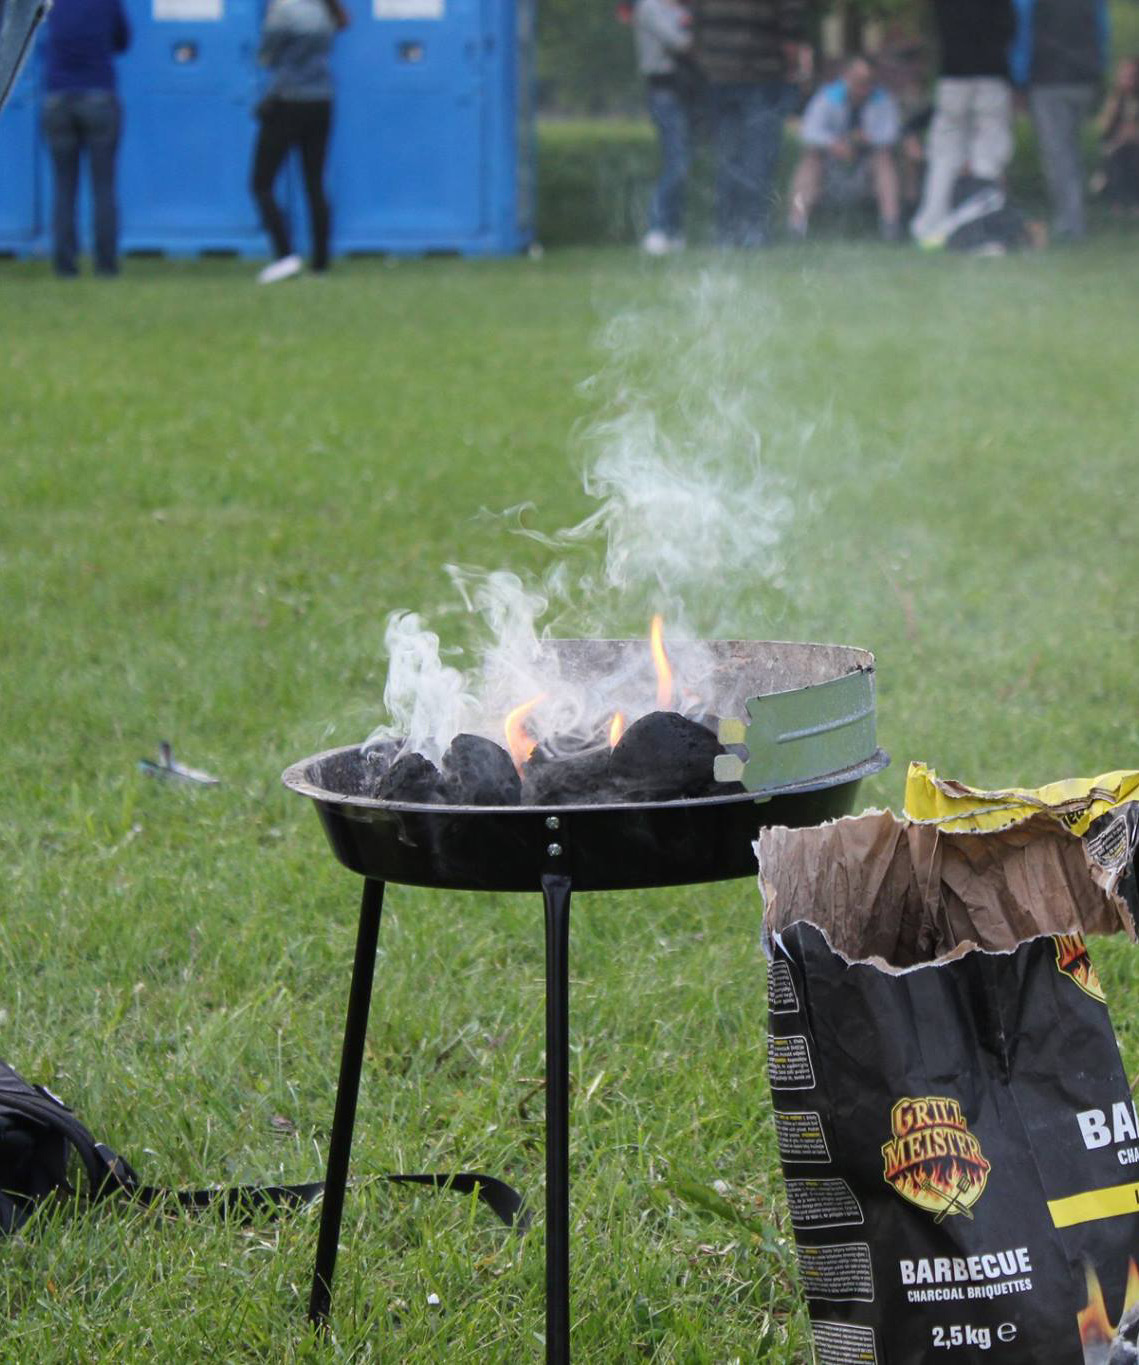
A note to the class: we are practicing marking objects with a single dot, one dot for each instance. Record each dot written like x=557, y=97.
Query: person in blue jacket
x=850, y=130
x=1060, y=54
x=82, y=115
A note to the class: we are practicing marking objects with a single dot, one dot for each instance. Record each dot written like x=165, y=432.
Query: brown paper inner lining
x=900, y=894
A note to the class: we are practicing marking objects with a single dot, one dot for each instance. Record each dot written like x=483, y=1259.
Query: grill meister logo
x=1072, y=959
x=933, y=1160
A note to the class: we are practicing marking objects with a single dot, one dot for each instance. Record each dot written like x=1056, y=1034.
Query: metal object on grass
x=168, y=767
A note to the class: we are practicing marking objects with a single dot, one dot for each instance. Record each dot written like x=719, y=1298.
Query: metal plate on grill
x=795, y=735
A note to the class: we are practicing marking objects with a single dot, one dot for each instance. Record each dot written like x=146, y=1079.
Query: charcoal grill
x=822, y=699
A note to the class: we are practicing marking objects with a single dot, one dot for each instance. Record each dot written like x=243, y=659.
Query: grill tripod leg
x=344, y=1117
x=556, y=894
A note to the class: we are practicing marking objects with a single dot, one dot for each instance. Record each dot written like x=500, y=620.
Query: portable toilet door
x=189, y=87
x=413, y=126
x=21, y=168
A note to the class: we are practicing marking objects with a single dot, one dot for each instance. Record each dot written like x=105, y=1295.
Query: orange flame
x=616, y=728
x=1096, y=1327
x=518, y=739
x=660, y=661
x=944, y=1187
x=1131, y=1298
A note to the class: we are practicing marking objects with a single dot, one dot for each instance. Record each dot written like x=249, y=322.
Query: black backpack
x=39, y=1133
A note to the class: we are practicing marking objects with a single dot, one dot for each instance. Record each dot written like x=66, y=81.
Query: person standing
x=82, y=115
x=1061, y=55
x=972, y=122
x=743, y=49
x=662, y=32
x=296, y=111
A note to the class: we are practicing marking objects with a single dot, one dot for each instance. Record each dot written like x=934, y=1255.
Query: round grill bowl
x=603, y=846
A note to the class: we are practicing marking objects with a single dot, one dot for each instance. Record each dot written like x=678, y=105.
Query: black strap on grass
x=502, y=1199
x=47, y=1127
x=246, y=1202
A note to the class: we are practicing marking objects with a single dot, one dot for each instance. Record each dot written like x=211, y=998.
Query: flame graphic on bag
x=1073, y=961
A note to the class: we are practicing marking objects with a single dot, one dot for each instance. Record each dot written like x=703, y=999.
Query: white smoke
x=691, y=510
x=690, y=513
x=427, y=701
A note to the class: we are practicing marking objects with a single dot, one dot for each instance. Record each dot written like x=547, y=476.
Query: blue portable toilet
x=432, y=146
x=188, y=88
x=22, y=168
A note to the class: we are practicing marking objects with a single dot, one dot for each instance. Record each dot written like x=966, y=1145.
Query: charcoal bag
x=955, y=1125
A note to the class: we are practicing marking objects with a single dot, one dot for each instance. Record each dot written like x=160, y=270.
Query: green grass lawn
x=211, y=496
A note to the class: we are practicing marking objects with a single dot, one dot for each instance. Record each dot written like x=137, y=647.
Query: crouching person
x=849, y=132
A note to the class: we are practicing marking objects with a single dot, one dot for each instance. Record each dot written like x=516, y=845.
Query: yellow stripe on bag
x=1093, y=1204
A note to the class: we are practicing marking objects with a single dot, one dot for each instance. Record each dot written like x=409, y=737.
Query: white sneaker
x=656, y=243
x=927, y=237
x=284, y=269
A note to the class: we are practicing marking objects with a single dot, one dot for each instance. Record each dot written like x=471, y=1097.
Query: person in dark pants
x=81, y=115
x=296, y=111
x=742, y=49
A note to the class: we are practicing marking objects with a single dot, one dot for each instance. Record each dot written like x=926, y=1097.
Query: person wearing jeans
x=748, y=122
x=296, y=111
x=671, y=117
x=742, y=49
x=663, y=36
x=81, y=116
x=1061, y=55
